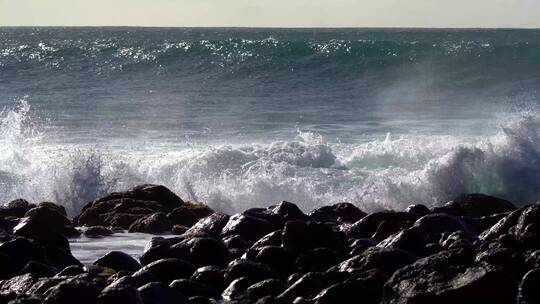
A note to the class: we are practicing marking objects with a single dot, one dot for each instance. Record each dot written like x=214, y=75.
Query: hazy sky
x=280, y=13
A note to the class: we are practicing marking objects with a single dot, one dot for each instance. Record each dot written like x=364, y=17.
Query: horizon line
x=270, y=27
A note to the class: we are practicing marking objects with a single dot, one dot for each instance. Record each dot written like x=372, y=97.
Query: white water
x=308, y=170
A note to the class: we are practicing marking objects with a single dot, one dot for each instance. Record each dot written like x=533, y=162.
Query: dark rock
x=409, y=240
x=39, y=269
x=509, y=260
x=341, y=213
x=16, y=208
x=438, y=223
x=476, y=205
x=277, y=258
x=372, y=279
x=449, y=277
x=97, y=231
x=270, y=287
x=154, y=223
x=72, y=291
x=271, y=239
x=288, y=211
x=249, y=227
x=386, y=260
x=418, y=209
x=124, y=208
x=346, y=293
x=18, y=284
x=118, y=261
x=179, y=229
x=159, y=293
x=16, y=253
x=71, y=271
x=42, y=224
x=158, y=248
x=168, y=270
x=529, y=293
x=249, y=269
x=317, y=260
x=212, y=225
x=237, y=289
x=311, y=284
x=212, y=277
x=300, y=236
x=119, y=294
x=236, y=241
x=191, y=288
x=368, y=225
x=137, y=280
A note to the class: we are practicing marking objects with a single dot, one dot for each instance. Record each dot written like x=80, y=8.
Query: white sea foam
x=385, y=173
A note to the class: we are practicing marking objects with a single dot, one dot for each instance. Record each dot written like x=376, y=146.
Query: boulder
x=72, y=291
x=168, y=270
x=342, y=213
x=154, y=224
x=476, y=205
x=159, y=293
x=118, y=261
x=97, y=231
x=449, y=277
x=119, y=294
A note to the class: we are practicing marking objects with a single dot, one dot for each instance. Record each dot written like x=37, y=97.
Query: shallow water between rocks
x=87, y=250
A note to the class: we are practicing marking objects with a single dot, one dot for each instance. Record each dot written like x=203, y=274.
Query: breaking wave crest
x=385, y=173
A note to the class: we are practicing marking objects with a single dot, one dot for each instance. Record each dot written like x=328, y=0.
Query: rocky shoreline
x=475, y=248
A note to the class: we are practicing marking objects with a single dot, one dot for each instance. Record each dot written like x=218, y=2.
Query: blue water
x=247, y=117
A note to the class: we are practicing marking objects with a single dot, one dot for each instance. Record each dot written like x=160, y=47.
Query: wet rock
x=118, y=261
x=409, y=240
x=249, y=227
x=249, y=269
x=270, y=287
x=529, y=293
x=159, y=293
x=179, y=229
x=449, y=277
x=15, y=208
x=386, y=260
x=43, y=224
x=97, y=231
x=345, y=293
x=311, y=284
x=18, y=284
x=439, y=223
x=236, y=289
x=16, y=253
x=418, y=209
x=72, y=291
x=119, y=294
x=317, y=260
x=211, y=225
x=288, y=211
x=168, y=270
x=124, y=208
x=212, y=277
x=154, y=224
x=341, y=213
x=39, y=269
x=476, y=205
x=191, y=288
x=277, y=258
x=300, y=236
x=368, y=225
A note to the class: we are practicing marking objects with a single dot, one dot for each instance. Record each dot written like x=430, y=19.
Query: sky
x=272, y=13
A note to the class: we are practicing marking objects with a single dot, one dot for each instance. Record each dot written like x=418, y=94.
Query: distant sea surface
x=240, y=118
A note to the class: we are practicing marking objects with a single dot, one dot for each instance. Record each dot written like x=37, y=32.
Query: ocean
x=240, y=118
